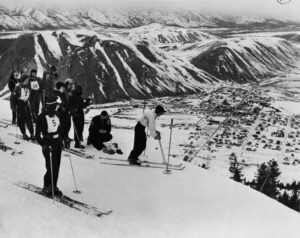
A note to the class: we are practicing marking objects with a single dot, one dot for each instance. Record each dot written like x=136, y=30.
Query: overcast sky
x=244, y=7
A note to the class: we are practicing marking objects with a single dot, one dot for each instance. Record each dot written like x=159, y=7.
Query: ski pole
x=76, y=190
x=168, y=171
x=17, y=139
x=76, y=133
x=51, y=168
x=162, y=152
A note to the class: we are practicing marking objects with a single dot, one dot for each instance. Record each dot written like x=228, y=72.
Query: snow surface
x=145, y=202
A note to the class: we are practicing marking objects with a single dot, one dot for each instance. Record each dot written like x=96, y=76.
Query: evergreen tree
x=261, y=176
x=267, y=179
x=235, y=169
x=272, y=181
x=284, y=199
x=294, y=202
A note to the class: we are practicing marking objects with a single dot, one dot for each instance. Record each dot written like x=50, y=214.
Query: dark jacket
x=77, y=103
x=100, y=123
x=12, y=84
x=64, y=108
x=21, y=93
x=48, y=83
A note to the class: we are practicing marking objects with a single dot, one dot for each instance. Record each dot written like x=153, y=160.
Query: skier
x=48, y=82
x=21, y=98
x=50, y=136
x=140, y=139
x=35, y=94
x=12, y=83
x=99, y=130
x=77, y=104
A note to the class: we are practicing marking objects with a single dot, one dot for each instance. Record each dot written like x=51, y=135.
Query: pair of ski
x=144, y=164
x=65, y=200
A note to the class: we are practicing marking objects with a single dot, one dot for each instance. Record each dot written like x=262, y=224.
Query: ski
x=144, y=166
x=79, y=153
x=65, y=200
x=5, y=148
x=144, y=162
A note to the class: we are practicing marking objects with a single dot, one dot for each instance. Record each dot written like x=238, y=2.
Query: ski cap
x=159, y=110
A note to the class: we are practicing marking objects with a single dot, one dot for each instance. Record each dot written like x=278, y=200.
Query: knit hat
x=33, y=71
x=104, y=113
x=159, y=110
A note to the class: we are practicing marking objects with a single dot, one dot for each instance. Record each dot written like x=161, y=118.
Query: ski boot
x=57, y=192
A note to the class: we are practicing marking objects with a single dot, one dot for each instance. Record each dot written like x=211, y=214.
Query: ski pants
x=98, y=140
x=35, y=99
x=55, y=153
x=78, y=123
x=140, y=141
x=24, y=117
x=13, y=108
x=65, y=120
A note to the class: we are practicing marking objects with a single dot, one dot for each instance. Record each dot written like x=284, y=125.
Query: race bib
x=34, y=85
x=25, y=93
x=53, y=124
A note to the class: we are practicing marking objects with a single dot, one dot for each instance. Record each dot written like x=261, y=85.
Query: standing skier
x=35, y=94
x=12, y=83
x=140, y=139
x=50, y=136
x=77, y=104
x=21, y=98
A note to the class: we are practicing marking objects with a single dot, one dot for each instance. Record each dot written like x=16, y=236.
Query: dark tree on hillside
x=294, y=202
x=261, y=176
x=284, y=199
x=267, y=179
x=234, y=168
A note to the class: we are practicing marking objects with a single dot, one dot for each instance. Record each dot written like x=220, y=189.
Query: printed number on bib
x=35, y=85
x=53, y=123
x=24, y=94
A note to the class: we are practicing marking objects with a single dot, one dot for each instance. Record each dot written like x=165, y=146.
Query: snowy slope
x=145, y=202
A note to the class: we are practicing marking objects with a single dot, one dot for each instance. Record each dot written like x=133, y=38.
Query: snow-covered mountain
x=90, y=17
x=160, y=34
x=243, y=59
x=146, y=203
x=109, y=67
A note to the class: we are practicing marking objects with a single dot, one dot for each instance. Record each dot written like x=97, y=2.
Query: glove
x=66, y=143
x=46, y=148
x=157, y=137
x=88, y=101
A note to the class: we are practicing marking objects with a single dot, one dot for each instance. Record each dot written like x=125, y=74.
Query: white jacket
x=148, y=120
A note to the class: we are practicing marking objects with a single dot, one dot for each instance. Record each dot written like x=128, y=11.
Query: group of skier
x=61, y=101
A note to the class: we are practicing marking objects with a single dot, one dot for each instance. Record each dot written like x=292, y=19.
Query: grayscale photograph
x=150, y=119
